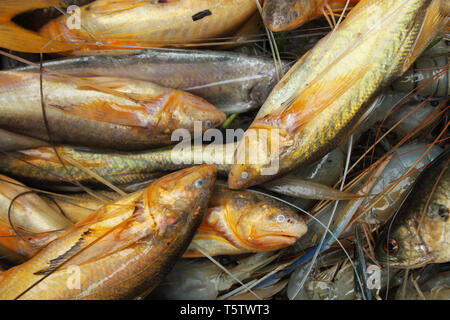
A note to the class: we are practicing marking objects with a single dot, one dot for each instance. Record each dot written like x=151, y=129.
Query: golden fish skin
x=122, y=250
x=128, y=115
x=29, y=212
x=284, y=15
x=318, y=102
x=32, y=218
x=242, y=221
x=420, y=232
x=42, y=167
x=153, y=24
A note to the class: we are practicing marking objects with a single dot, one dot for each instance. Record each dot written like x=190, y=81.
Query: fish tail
x=17, y=38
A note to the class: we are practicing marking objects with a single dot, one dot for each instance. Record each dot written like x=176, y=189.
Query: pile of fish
x=182, y=150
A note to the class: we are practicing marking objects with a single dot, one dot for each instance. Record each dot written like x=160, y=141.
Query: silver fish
x=234, y=82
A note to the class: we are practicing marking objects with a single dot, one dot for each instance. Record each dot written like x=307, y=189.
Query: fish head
x=259, y=156
x=188, y=110
x=181, y=196
x=402, y=247
x=271, y=226
x=289, y=14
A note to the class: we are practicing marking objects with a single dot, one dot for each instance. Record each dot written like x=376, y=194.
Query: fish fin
x=56, y=262
x=317, y=97
x=115, y=86
x=109, y=112
x=434, y=18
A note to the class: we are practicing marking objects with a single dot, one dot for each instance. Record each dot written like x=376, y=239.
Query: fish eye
x=280, y=218
x=208, y=123
x=244, y=175
x=443, y=212
x=391, y=246
x=198, y=183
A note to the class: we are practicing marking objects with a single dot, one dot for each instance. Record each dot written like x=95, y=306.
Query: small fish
x=128, y=115
x=151, y=23
x=420, y=231
x=121, y=251
x=284, y=15
x=233, y=82
x=41, y=167
x=319, y=101
x=306, y=189
x=242, y=221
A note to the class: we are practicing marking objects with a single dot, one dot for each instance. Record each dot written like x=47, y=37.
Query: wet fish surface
x=122, y=250
x=233, y=82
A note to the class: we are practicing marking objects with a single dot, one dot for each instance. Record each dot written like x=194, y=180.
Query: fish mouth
x=279, y=240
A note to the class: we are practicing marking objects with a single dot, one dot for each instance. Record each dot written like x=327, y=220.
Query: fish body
x=284, y=15
x=322, y=97
x=233, y=82
x=242, y=221
x=306, y=189
x=10, y=141
x=42, y=167
x=154, y=23
x=136, y=115
x=420, y=231
x=122, y=250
